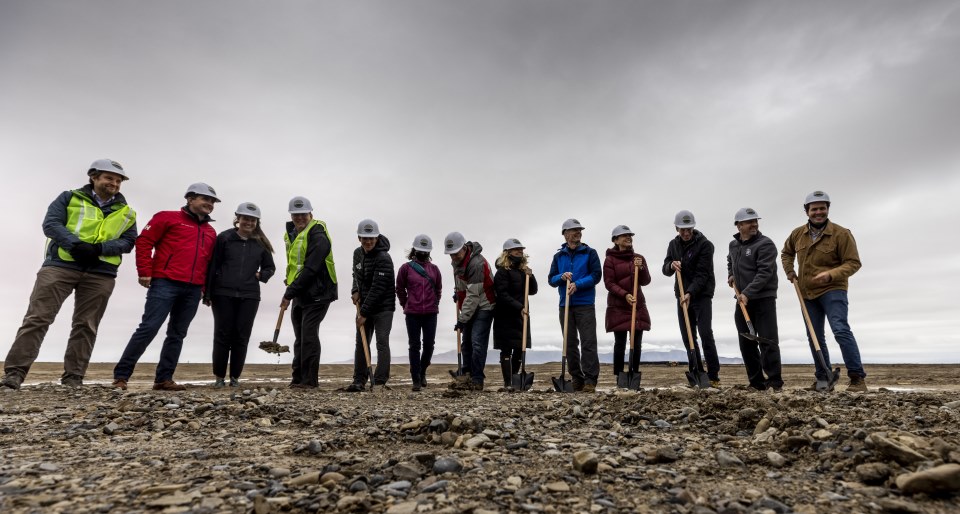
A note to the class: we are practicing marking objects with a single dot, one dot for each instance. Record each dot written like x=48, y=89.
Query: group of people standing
x=182, y=262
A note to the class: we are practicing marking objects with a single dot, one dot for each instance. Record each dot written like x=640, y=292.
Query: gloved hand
x=459, y=327
x=86, y=253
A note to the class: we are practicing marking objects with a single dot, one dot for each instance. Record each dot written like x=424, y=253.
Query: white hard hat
x=299, y=205
x=368, y=228
x=107, y=165
x=571, y=224
x=684, y=219
x=512, y=243
x=816, y=196
x=620, y=230
x=453, y=243
x=248, y=209
x=200, y=188
x=745, y=214
x=422, y=243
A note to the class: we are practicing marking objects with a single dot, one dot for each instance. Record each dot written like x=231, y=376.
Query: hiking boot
x=11, y=381
x=168, y=385
x=715, y=383
x=120, y=383
x=589, y=388
x=71, y=381
x=577, y=385
x=301, y=386
x=416, y=387
x=354, y=388
x=423, y=381
x=234, y=382
x=219, y=383
x=857, y=385
x=476, y=386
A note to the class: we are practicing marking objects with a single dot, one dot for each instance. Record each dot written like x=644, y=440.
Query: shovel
x=822, y=385
x=696, y=376
x=631, y=379
x=752, y=335
x=272, y=346
x=366, y=350
x=459, y=372
x=523, y=381
x=562, y=385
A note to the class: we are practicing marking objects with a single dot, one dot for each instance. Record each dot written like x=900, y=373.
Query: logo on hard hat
x=515, y=241
x=212, y=191
x=575, y=221
x=624, y=227
x=686, y=219
x=117, y=165
x=818, y=193
x=368, y=228
x=448, y=243
x=751, y=211
x=251, y=207
x=298, y=204
x=423, y=242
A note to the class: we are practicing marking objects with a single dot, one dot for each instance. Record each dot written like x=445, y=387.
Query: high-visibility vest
x=297, y=252
x=85, y=220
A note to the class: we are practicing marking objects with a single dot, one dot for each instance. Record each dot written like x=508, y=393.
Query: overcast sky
x=501, y=119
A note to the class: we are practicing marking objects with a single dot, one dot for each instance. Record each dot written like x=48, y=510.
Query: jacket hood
x=475, y=247
x=383, y=244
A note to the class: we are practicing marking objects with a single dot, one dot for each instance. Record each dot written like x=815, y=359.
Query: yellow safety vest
x=297, y=252
x=86, y=220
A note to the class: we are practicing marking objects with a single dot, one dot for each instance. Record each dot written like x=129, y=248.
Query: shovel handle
x=686, y=316
x=743, y=308
x=363, y=339
x=633, y=309
x=806, y=317
x=276, y=331
x=566, y=317
x=526, y=305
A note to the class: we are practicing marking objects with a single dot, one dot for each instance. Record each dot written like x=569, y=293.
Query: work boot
x=71, y=380
x=168, y=385
x=476, y=386
x=219, y=383
x=857, y=385
x=234, y=382
x=416, y=386
x=120, y=383
x=11, y=381
x=715, y=383
x=354, y=388
x=423, y=380
x=589, y=388
x=577, y=385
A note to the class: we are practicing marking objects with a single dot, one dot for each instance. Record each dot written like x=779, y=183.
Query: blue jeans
x=479, y=343
x=832, y=305
x=165, y=297
x=417, y=324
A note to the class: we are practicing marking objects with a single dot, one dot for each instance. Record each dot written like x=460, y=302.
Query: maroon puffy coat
x=618, y=277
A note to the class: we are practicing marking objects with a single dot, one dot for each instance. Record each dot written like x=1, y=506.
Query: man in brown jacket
x=827, y=255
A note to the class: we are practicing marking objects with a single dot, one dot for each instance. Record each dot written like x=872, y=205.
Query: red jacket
x=618, y=277
x=176, y=245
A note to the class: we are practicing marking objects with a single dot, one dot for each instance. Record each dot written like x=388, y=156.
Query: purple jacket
x=416, y=294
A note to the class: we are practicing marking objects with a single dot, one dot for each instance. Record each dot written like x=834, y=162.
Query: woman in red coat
x=618, y=277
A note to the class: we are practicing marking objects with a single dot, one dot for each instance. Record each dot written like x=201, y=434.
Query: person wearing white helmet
x=618, y=270
x=173, y=253
x=419, y=289
x=476, y=300
x=828, y=256
x=509, y=284
x=576, y=268
x=88, y=229
x=311, y=280
x=690, y=253
x=241, y=261
x=752, y=271
x=373, y=291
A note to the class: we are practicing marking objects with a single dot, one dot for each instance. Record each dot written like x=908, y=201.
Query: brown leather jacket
x=834, y=251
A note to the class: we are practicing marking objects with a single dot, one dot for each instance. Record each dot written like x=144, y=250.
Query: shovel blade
x=522, y=381
x=562, y=385
x=698, y=379
x=828, y=385
x=750, y=337
x=629, y=380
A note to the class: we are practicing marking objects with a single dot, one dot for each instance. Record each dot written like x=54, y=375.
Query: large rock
x=894, y=450
x=873, y=472
x=586, y=462
x=943, y=479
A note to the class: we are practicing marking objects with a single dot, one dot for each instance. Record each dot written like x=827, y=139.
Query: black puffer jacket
x=696, y=265
x=508, y=312
x=753, y=266
x=234, y=267
x=373, y=278
x=314, y=283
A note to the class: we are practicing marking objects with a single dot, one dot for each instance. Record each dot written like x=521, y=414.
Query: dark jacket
x=473, y=283
x=618, y=277
x=176, y=245
x=584, y=264
x=753, y=266
x=235, y=264
x=313, y=283
x=416, y=294
x=696, y=265
x=373, y=278
x=54, y=227
x=508, y=312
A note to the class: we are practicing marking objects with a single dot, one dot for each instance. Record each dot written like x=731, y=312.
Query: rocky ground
x=668, y=448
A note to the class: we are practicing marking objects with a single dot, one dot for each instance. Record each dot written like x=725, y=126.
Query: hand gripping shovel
x=631, y=379
x=752, y=335
x=562, y=385
x=696, y=376
x=523, y=381
x=822, y=385
x=366, y=350
x=272, y=346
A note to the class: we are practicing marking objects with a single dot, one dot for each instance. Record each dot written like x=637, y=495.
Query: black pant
x=417, y=324
x=232, y=324
x=583, y=321
x=620, y=345
x=763, y=357
x=306, y=345
x=701, y=322
x=379, y=323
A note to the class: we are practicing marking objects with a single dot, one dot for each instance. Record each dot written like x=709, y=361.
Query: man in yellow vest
x=311, y=282
x=88, y=229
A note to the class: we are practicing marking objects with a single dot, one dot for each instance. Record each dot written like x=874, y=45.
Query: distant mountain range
x=545, y=356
